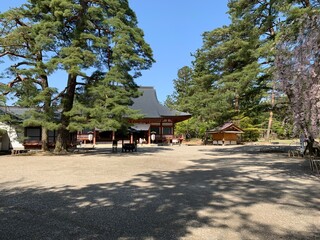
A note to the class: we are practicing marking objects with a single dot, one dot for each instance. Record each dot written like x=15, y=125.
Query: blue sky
x=173, y=28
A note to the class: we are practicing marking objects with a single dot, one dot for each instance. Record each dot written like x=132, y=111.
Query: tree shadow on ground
x=252, y=149
x=161, y=205
x=141, y=150
x=265, y=156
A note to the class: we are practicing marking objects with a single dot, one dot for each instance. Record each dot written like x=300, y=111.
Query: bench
x=32, y=144
x=129, y=147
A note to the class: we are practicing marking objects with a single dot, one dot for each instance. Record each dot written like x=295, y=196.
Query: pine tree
x=265, y=17
x=79, y=38
x=227, y=71
x=24, y=43
x=233, y=71
x=180, y=99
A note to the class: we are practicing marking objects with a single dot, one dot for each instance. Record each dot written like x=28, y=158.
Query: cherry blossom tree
x=297, y=67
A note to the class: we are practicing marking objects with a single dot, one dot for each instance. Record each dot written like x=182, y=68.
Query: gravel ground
x=179, y=192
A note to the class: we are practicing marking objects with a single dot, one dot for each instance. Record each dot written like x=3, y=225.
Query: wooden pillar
x=113, y=135
x=149, y=135
x=161, y=132
x=172, y=128
x=223, y=139
x=131, y=138
x=94, y=137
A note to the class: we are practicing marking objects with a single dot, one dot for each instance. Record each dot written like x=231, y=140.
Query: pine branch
x=12, y=54
x=82, y=84
x=19, y=22
x=12, y=46
x=23, y=63
x=4, y=93
x=19, y=78
x=16, y=80
x=4, y=54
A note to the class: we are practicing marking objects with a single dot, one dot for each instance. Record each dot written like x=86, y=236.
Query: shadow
x=251, y=149
x=106, y=151
x=263, y=156
x=141, y=150
x=215, y=196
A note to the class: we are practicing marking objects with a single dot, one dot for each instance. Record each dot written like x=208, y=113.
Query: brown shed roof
x=227, y=128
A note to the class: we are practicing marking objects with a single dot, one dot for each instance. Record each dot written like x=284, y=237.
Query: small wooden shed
x=226, y=134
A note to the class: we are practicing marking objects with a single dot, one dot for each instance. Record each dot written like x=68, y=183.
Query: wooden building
x=157, y=118
x=14, y=136
x=158, y=121
x=226, y=134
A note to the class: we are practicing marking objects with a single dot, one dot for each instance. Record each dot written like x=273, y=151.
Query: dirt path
x=186, y=192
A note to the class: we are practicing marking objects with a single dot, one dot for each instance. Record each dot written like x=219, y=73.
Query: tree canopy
x=233, y=72
x=98, y=46
x=297, y=68
x=260, y=71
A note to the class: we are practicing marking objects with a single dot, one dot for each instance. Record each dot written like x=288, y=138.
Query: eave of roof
x=237, y=132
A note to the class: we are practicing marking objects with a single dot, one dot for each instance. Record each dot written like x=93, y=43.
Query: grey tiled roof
x=13, y=110
x=147, y=104
x=150, y=107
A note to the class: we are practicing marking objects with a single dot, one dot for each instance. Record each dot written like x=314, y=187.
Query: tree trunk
x=44, y=139
x=62, y=140
x=63, y=137
x=237, y=109
x=271, y=112
x=46, y=109
x=67, y=104
x=273, y=34
x=269, y=125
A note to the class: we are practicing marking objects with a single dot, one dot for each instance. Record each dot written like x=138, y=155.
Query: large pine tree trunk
x=44, y=139
x=67, y=104
x=62, y=139
x=63, y=136
x=46, y=109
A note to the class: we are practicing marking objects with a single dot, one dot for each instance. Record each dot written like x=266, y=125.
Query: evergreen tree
x=180, y=99
x=226, y=69
x=210, y=107
x=233, y=76
x=24, y=43
x=263, y=16
x=266, y=16
x=78, y=38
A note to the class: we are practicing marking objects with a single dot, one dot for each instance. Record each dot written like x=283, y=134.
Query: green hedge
x=250, y=134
